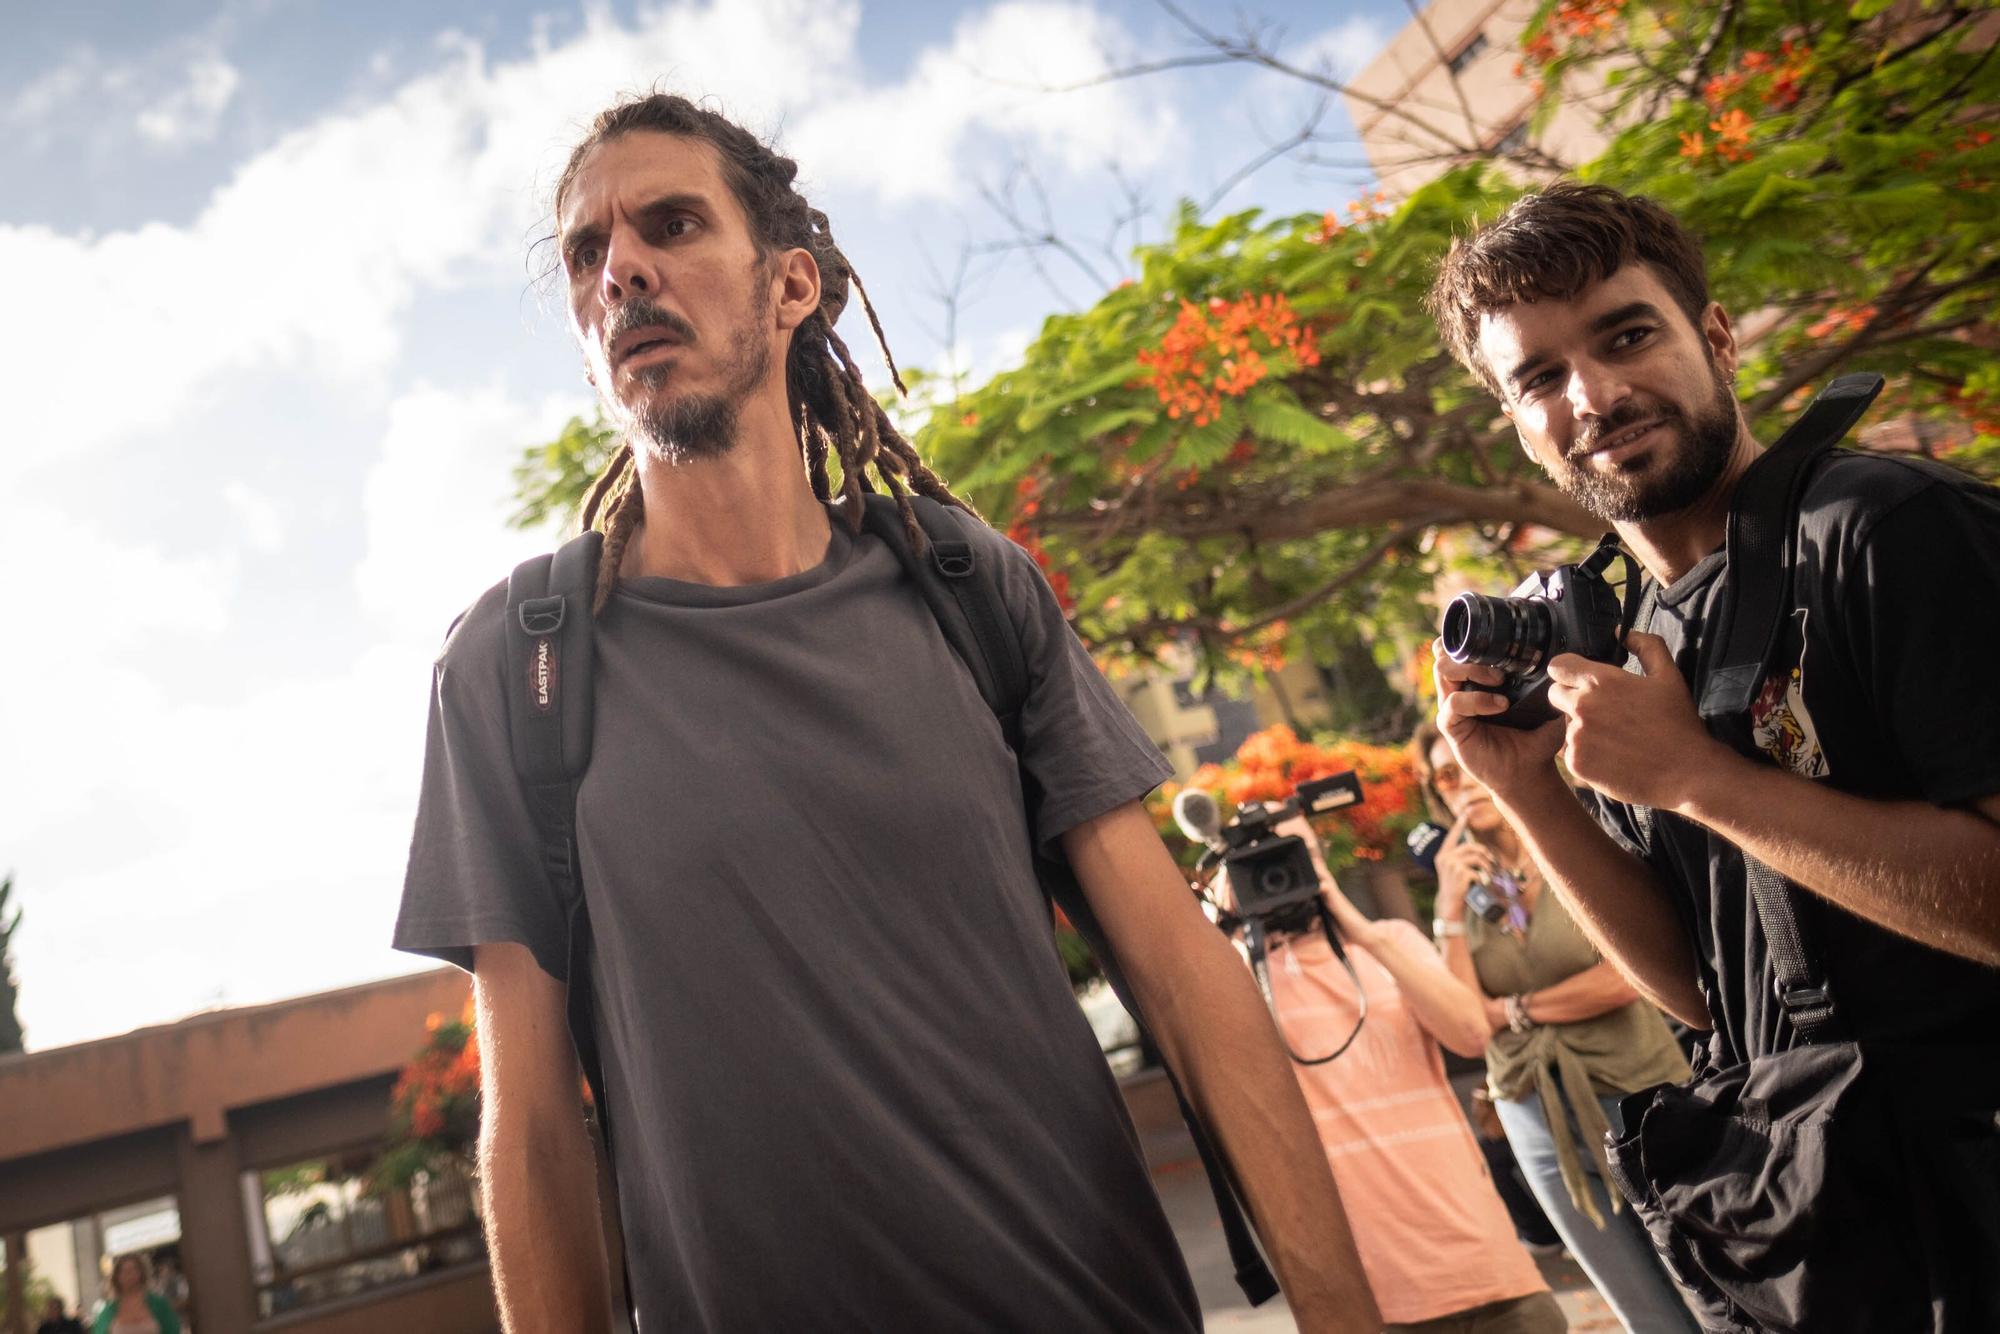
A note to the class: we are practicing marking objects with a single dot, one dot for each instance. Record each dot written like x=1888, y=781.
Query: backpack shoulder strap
x=1763, y=515
x=963, y=594
x=1762, y=554
x=550, y=659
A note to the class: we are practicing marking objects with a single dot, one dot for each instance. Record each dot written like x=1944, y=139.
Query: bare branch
x=1298, y=139
x=1410, y=502
x=1444, y=61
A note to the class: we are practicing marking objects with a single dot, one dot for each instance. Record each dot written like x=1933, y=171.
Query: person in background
x=132, y=1307
x=56, y=1320
x=1435, y=1239
x=1570, y=1037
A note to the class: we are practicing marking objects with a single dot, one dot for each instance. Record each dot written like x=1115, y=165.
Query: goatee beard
x=1683, y=475
x=699, y=426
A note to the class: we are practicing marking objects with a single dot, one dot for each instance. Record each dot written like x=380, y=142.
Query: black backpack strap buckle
x=542, y=616
x=953, y=559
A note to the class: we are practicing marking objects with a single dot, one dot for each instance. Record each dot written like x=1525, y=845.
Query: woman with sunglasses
x=1570, y=1037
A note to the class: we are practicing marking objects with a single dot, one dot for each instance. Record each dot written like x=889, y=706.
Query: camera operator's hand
x=1637, y=739
x=1459, y=864
x=1499, y=757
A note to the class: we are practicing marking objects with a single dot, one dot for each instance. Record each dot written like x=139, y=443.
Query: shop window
x=323, y=1230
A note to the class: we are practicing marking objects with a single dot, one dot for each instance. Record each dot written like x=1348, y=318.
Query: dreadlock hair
x=834, y=412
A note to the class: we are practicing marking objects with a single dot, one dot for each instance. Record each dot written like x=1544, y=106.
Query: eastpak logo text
x=543, y=678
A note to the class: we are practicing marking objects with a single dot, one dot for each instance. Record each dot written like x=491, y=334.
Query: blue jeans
x=1619, y=1258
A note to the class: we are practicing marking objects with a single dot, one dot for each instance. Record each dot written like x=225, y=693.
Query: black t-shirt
x=1883, y=688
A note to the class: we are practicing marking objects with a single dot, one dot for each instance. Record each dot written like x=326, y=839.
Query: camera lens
x=1509, y=633
x=1275, y=880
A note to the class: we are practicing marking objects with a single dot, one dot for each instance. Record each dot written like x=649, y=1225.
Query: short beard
x=1688, y=474
x=700, y=426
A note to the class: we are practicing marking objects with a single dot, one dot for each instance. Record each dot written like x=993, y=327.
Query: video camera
x=1272, y=878
x=1570, y=609
x=1271, y=875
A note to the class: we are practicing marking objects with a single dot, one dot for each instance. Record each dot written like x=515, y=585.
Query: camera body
x=1570, y=609
x=1271, y=875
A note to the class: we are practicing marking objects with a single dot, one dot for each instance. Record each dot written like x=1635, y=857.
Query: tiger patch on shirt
x=1779, y=723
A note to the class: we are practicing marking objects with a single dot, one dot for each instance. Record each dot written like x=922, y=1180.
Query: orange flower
x=1692, y=146
x=1221, y=351
x=1732, y=135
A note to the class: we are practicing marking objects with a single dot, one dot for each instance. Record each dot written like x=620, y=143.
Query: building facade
x=231, y=1150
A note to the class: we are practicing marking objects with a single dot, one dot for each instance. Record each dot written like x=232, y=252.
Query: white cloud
x=192, y=113
x=42, y=97
x=314, y=250
x=1340, y=51
x=263, y=522
x=436, y=504
x=992, y=76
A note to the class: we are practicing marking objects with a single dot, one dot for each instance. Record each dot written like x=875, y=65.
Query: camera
x=1271, y=875
x=1272, y=879
x=1570, y=609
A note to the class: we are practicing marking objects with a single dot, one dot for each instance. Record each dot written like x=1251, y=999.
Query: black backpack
x=549, y=630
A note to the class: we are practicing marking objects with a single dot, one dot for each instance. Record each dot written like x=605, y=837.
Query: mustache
x=1627, y=416
x=639, y=313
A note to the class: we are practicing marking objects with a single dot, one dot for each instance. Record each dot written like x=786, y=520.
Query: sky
x=274, y=341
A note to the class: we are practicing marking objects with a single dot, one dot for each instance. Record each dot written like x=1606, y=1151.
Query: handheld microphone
x=1199, y=817
x=1424, y=843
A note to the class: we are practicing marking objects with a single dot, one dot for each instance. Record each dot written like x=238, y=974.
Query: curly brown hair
x=1549, y=246
x=833, y=409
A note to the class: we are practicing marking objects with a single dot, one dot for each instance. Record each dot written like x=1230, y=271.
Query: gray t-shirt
x=849, y=1087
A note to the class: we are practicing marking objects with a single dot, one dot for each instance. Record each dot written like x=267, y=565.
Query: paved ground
x=1184, y=1192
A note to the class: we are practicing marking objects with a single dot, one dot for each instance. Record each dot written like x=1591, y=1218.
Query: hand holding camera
x=1524, y=677
x=1461, y=864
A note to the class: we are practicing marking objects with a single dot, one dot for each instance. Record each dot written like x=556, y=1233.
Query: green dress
x=1617, y=1052
x=163, y=1315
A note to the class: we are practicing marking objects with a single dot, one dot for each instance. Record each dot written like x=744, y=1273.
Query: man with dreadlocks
x=850, y=1086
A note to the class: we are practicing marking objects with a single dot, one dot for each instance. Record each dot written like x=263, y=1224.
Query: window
x=321, y=1230
x=1467, y=53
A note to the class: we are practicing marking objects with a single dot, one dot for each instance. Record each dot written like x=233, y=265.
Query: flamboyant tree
x=1257, y=445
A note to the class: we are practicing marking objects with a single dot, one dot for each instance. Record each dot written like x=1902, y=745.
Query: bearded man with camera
x=1796, y=840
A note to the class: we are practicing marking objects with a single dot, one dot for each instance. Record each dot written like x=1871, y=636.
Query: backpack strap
x=963, y=594
x=1762, y=554
x=549, y=666
x=1763, y=521
x=550, y=659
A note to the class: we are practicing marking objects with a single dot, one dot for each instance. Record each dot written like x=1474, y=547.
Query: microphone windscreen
x=1198, y=815
x=1424, y=842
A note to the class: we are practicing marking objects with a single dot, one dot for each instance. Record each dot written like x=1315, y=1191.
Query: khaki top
x=1620, y=1051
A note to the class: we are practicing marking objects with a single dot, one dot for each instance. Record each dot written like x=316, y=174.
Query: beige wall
x=1415, y=118
x=196, y=1070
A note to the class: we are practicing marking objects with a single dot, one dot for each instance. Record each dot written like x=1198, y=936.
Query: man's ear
x=1719, y=333
x=795, y=287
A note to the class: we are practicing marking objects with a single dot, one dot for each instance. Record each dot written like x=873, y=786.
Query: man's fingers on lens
x=1447, y=671
x=1472, y=704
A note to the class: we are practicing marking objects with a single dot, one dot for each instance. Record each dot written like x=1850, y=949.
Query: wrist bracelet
x=1443, y=927
x=1516, y=1007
